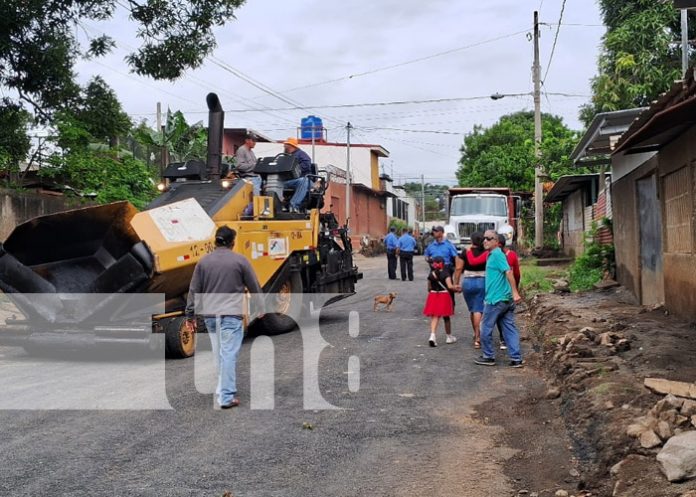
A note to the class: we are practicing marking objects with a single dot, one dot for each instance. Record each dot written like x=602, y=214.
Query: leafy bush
x=103, y=175
x=589, y=268
x=399, y=224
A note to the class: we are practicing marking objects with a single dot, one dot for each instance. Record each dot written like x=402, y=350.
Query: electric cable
x=555, y=39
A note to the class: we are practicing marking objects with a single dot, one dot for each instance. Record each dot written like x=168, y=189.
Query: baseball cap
x=224, y=236
x=438, y=228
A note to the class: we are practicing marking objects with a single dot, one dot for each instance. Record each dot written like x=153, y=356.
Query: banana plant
x=182, y=141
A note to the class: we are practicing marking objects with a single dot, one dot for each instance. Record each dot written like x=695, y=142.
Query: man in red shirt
x=514, y=263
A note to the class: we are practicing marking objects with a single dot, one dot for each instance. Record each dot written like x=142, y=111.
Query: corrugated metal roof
x=597, y=143
x=569, y=184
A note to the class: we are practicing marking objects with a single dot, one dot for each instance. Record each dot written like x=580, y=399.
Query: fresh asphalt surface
x=408, y=430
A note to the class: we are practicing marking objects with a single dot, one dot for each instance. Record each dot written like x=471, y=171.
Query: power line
x=555, y=39
x=573, y=24
x=407, y=62
x=266, y=89
x=437, y=132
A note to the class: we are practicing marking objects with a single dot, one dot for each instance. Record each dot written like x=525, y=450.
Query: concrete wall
x=627, y=226
x=677, y=170
x=17, y=207
x=368, y=211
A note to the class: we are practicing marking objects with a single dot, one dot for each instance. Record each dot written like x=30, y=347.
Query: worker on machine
x=302, y=184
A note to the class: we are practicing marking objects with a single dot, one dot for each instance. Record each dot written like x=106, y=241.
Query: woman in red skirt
x=439, y=302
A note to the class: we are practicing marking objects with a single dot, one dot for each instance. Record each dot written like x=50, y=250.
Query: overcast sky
x=315, y=45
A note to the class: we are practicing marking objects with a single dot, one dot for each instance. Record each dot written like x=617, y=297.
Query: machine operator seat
x=283, y=167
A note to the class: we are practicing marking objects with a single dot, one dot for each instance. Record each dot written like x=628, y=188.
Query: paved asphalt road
x=408, y=430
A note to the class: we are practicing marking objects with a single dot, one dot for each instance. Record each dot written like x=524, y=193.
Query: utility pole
x=159, y=131
x=313, y=128
x=348, y=128
x=538, y=172
x=422, y=203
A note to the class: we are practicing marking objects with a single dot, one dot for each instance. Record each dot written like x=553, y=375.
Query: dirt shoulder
x=595, y=350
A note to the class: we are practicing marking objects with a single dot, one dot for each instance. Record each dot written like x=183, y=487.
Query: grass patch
x=537, y=279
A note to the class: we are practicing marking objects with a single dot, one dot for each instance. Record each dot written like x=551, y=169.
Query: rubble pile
x=628, y=442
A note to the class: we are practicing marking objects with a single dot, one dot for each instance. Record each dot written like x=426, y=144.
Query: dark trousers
x=406, y=263
x=391, y=264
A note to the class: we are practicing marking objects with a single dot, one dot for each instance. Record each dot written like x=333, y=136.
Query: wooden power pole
x=538, y=171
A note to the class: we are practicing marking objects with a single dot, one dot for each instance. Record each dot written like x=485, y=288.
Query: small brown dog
x=386, y=300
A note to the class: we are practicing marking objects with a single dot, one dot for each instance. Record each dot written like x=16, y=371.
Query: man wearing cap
x=246, y=161
x=300, y=185
x=404, y=249
x=441, y=247
x=216, y=293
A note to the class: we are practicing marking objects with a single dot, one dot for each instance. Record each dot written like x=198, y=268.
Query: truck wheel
x=179, y=342
x=286, y=302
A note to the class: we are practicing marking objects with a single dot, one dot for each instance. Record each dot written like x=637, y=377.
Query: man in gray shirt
x=246, y=161
x=217, y=293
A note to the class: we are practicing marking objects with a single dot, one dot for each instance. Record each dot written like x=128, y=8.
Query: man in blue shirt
x=499, y=304
x=390, y=243
x=300, y=185
x=404, y=249
x=441, y=247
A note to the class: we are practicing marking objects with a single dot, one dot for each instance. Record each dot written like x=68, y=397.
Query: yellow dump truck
x=113, y=249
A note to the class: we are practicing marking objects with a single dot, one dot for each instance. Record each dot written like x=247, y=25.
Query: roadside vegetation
x=538, y=279
x=596, y=261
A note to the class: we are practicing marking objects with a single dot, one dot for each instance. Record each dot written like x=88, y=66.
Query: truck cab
x=472, y=210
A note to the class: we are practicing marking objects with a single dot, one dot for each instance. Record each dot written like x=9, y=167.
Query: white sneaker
x=451, y=339
x=503, y=346
x=432, y=341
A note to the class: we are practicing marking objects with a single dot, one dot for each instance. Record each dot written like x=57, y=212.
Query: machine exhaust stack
x=216, y=126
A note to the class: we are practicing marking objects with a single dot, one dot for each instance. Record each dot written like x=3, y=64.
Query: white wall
x=360, y=158
x=404, y=197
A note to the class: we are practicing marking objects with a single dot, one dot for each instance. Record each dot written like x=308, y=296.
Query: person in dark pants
x=405, y=248
x=390, y=243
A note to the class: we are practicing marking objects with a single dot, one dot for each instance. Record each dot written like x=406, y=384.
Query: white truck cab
x=478, y=211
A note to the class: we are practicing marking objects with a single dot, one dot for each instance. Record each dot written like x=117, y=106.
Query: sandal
x=477, y=344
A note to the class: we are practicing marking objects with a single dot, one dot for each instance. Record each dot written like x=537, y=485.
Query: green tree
x=14, y=142
x=435, y=198
x=101, y=113
x=183, y=141
x=39, y=48
x=503, y=155
x=105, y=175
x=640, y=56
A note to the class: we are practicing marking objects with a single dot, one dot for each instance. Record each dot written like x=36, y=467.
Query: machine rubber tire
x=274, y=323
x=179, y=343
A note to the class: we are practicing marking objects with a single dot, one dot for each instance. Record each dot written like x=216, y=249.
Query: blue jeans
x=301, y=187
x=256, y=184
x=226, y=345
x=502, y=313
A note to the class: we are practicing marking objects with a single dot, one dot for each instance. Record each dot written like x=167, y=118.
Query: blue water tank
x=311, y=126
